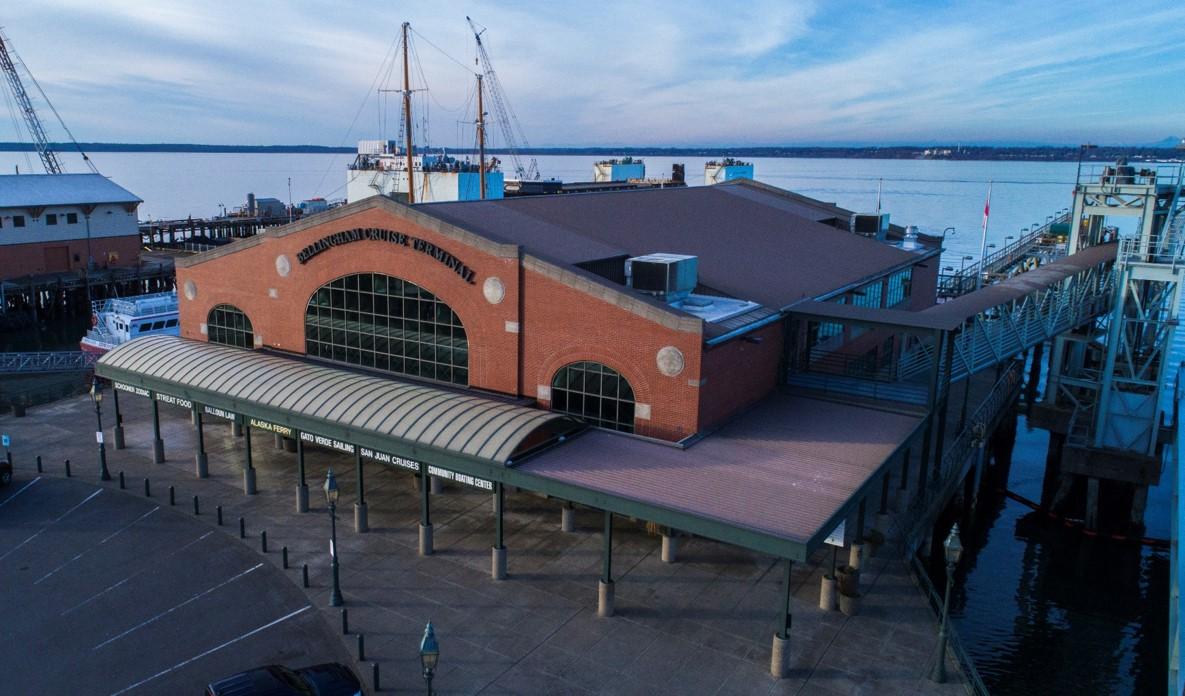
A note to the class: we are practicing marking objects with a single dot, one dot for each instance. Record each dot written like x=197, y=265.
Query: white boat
x=121, y=319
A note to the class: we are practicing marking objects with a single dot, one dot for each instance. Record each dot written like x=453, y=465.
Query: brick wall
x=275, y=304
x=563, y=325
x=739, y=373
x=18, y=260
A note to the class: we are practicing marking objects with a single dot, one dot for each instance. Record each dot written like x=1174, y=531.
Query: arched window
x=228, y=325
x=596, y=393
x=379, y=321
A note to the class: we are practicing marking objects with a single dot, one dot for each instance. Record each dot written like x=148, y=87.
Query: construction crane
x=9, y=60
x=508, y=123
x=49, y=158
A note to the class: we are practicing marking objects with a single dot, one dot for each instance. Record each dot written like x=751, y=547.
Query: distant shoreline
x=934, y=152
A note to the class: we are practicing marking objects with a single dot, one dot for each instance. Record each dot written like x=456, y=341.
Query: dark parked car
x=5, y=472
x=330, y=679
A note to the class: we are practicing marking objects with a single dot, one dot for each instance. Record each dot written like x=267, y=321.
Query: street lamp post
x=331, y=493
x=429, y=654
x=953, y=548
x=97, y=397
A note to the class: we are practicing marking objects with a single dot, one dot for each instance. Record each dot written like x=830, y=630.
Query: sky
x=683, y=74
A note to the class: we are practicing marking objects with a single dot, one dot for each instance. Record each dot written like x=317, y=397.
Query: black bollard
x=39, y=463
x=67, y=468
x=361, y=648
x=345, y=623
x=284, y=556
x=196, y=509
x=304, y=575
x=147, y=489
x=374, y=677
x=242, y=528
x=122, y=484
x=263, y=541
x=218, y=509
x=172, y=496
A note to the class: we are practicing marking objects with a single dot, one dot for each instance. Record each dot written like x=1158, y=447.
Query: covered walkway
x=698, y=625
x=809, y=466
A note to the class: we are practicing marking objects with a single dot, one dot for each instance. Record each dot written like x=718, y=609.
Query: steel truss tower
x=1111, y=380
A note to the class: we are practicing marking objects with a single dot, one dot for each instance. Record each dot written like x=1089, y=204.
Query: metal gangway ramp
x=46, y=361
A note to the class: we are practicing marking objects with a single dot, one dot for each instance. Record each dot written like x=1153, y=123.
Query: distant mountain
x=1172, y=141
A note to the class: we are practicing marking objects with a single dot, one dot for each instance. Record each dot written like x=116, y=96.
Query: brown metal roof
x=955, y=312
x=951, y=314
x=790, y=467
x=483, y=428
x=814, y=309
x=749, y=244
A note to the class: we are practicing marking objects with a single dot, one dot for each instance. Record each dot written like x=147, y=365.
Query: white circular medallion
x=283, y=266
x=494, y=290
x=190, y=290
x=670, y=361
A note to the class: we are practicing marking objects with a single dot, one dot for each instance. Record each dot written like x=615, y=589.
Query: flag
x=987, y=206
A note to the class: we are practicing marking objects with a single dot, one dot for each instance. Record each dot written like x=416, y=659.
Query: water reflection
x=1044, y=609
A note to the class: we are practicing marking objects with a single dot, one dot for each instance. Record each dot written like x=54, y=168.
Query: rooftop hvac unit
x=669, y=276
x=871, y=225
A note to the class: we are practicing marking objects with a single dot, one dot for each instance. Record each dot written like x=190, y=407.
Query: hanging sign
x=836, y=536
x=276, y=428
x=6, y=441
x=327, y=442
x=138, y=391
x=384, y=458
x=99, y=436
x=218, y=412
x=175, y=401
x=460, y=478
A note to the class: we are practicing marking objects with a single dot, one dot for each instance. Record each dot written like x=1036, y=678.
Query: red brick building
x=546, y=298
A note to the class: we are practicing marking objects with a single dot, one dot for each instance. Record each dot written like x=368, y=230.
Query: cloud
x=664, y=73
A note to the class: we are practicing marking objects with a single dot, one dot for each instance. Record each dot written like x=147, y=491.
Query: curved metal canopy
x=464, y=424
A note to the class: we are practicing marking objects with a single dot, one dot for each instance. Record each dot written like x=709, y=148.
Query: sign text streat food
x=174, y=400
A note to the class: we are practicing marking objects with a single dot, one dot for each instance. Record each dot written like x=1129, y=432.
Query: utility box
x=871, y=225
x=668, y=276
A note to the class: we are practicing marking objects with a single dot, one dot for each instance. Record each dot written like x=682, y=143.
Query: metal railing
x=854, y=375
x=968, y=279
x=952, y=467
x=138, y=306
x=1000, y=332
x=973, y=682
x=48, y=361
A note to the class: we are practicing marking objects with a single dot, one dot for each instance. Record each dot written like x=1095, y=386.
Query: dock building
x=56, y=223
x=630, y=351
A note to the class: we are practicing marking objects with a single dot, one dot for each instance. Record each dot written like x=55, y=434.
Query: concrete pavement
x=700, y=625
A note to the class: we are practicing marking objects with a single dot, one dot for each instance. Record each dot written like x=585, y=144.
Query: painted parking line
x=211, y=651
x=104, y=541
x=172, y=553
x=22, y=490
x=165, y=613
x=59, y=519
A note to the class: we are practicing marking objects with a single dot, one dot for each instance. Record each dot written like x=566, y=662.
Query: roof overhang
x=470, y=433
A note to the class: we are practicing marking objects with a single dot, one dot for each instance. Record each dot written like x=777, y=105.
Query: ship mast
x=411, y=185
x=481, y=142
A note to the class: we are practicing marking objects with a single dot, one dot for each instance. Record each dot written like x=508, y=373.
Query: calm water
x=1041, y=610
